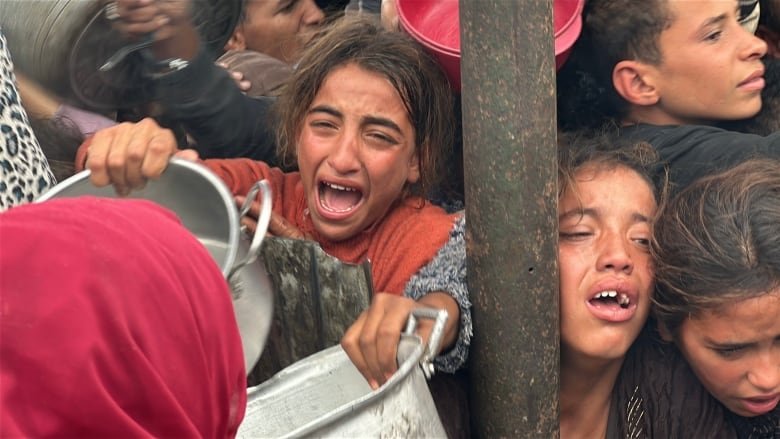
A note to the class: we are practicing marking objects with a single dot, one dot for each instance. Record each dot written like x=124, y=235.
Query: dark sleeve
x=223, y=121
x=692, y=151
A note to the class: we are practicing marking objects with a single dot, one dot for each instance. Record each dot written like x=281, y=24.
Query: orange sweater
x=403, y=242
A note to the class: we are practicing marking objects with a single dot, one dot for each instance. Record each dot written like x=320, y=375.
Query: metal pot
x=206, y=208
x=324, y=395
x=61, y=44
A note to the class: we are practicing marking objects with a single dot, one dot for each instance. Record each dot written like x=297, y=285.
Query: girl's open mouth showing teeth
x=338, y=199
x=612, y=296
x=612, y=306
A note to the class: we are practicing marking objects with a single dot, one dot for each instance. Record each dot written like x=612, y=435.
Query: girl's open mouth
x=337, y=200
x=612, y=306
x=759, y=406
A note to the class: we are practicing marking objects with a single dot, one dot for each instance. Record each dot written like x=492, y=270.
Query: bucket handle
x=440, y=317
x=264, y=219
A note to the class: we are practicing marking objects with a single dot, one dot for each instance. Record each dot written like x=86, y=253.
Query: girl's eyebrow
x=382, y=121
x=326, y=109
x=712, y=344
x=577, y=212
x=713, y=21
x=367, y=120
x=636, y=217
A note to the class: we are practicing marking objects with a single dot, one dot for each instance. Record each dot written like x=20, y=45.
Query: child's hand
x=278, y=226
x=136, y=18
x=238, y=77
x=389, y=15
x=372, y=341
x=128, y=154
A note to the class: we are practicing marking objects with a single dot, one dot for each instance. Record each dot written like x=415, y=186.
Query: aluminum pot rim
x=175, y=164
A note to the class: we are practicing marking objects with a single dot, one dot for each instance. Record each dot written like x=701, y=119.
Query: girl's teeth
x=622, y=299
x=339, y=187
x=605, y=294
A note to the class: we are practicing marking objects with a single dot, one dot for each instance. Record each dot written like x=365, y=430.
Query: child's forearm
x=38, y=102
x=443, y=300
x=446, y=275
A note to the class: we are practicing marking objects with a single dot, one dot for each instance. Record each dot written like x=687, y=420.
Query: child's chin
x=334, y=232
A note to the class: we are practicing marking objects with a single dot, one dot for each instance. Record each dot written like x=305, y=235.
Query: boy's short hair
x=621, y=30
x=613, y=31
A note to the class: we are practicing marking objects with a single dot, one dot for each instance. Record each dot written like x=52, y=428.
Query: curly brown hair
x=416, y=77
x=607, y=150
x=718, y=242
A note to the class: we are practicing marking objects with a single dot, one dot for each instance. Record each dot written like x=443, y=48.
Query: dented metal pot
x=324, y=395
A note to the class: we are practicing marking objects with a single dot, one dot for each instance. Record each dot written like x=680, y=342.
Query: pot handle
x=440, y=316
x=264, y=219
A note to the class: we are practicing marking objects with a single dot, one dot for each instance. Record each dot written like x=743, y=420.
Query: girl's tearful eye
x=729, y=352
x=381, y=138
x=574, y=236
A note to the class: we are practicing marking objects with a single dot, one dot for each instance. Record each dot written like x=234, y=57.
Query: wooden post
x=508, y=92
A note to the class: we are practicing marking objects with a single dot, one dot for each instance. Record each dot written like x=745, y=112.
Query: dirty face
x=735, y=352
x=356, y=152
x=606, y=271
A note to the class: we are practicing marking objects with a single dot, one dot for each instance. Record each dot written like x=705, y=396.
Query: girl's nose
x=343, y=157
x=614, y=255
x=765, y=373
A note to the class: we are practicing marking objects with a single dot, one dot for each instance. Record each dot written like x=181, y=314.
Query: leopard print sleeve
x=24, y=170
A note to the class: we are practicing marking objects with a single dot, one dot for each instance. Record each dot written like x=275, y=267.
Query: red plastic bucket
x=567, y=22
x=435, y=24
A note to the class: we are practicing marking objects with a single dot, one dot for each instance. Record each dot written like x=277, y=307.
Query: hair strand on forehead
x=607, y=150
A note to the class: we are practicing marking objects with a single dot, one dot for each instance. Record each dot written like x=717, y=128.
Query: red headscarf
x=114, y=322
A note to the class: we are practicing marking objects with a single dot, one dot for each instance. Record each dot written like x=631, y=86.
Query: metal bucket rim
x=188, y=166
x=404, y=370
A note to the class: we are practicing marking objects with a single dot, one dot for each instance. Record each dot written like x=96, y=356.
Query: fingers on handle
x=350, y=342
x=250, y=224
x=96, y=157
x=280, y=226
x=156, y=147
x=116, y=158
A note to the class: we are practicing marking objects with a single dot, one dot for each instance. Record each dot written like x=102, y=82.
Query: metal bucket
x=206, y=208
x=324, y=395
x=60, y=44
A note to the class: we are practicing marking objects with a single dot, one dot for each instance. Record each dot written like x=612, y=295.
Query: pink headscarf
x=114, y=322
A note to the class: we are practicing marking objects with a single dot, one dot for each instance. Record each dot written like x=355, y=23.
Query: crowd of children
x=668, y=218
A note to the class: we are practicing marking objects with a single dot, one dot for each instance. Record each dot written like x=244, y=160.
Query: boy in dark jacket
x=666, y=72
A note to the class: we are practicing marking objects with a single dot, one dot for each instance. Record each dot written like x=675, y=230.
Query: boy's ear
x=772, y=39
x=634, y=81
x=237, y=41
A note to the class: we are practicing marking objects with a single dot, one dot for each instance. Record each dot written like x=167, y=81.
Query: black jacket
x=222, y=120
x=692, y=151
